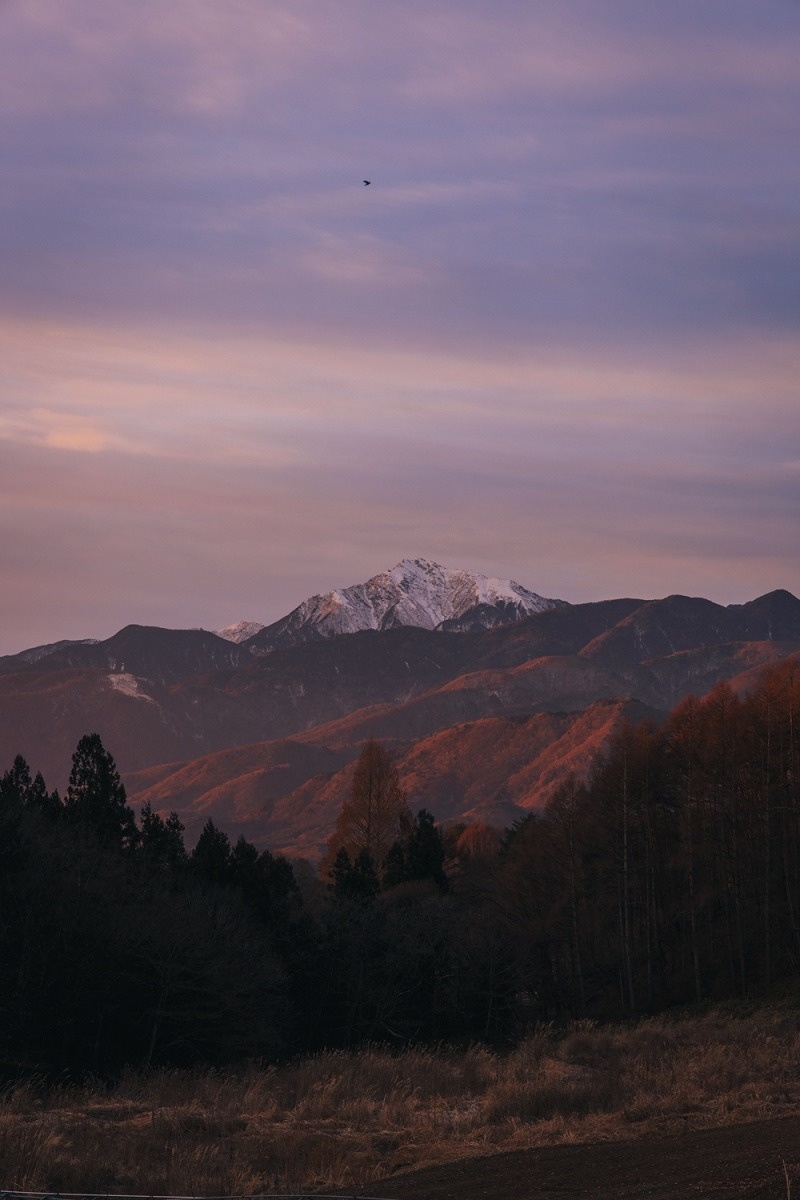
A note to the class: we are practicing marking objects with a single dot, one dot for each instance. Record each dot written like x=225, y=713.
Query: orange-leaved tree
x=376, y=815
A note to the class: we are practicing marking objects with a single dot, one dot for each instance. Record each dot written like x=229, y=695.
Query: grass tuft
x=339, y=1119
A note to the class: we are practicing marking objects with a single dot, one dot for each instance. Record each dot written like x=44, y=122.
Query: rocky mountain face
x=240, y=631
x=38, y=652
x=415, y=593
x=484, y=716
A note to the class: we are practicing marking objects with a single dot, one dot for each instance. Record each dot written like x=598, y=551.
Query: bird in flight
x=367, y=182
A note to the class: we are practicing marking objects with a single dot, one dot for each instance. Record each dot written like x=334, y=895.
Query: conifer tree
x=212, y=856
x=96, y=796
x=419, y=856
x=15, y=784
x=354, y=880
x=160, y=841
x=376, y=815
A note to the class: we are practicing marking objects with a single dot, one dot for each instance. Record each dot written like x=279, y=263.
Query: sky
x=557, y=339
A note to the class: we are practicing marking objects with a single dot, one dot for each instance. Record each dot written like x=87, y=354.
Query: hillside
x=203, y=725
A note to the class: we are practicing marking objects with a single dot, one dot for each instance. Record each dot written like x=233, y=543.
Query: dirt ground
x=711, y=1164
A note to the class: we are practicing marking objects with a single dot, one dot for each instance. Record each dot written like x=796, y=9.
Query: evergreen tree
x=160, y=841
x=244, y=864
x=425, y=854
x=48, y=803
x=419, y=856
x=15, y=785
x=211, y=858
x=354, y=880
x=13, y=788
x=96, y=797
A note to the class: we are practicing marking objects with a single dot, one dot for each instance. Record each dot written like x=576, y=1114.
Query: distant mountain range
x=486, y=693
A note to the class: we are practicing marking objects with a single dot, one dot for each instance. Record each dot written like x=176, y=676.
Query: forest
x=671, y=876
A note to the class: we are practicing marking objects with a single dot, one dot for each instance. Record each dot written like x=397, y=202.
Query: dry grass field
x=337, y=1120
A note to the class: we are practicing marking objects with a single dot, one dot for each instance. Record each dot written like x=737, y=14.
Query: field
x=341, y=1120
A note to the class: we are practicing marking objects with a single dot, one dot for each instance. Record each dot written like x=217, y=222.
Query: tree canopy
x=376, y=815
x=96, y=797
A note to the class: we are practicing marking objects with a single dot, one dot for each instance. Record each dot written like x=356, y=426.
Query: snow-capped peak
x=415, y=592
x=429, y=594
x=240, y=631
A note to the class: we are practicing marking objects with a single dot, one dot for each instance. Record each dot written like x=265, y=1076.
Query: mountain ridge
x=168, y=702
x=415, y=592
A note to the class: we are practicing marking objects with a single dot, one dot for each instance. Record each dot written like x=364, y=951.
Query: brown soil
x=710, y=1164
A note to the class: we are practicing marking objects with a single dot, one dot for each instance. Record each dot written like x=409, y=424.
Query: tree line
x=671, y=875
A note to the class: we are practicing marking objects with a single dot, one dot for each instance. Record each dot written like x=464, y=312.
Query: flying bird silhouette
x=367, y=182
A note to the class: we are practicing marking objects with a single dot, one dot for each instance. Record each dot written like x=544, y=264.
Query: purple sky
x=557, y=340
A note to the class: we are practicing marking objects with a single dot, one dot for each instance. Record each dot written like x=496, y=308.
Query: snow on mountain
x=240, y=631
x=415, y=592
x=36, y=653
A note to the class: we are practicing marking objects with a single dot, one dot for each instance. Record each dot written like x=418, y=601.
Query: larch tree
x=376, y=815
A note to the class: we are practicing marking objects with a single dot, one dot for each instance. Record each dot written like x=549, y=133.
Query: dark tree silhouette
x=211, y=858
x=354, y=880
x=95, y=798
x=161, y=842
x=419, y=856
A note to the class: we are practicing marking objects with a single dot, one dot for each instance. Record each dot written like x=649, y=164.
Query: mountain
x=38, y=652
x=240, y=631
x=483, y=718
x=416, y=592
x=160, y=655
x=237, y=788
x=679, y=623
x=286, y=794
